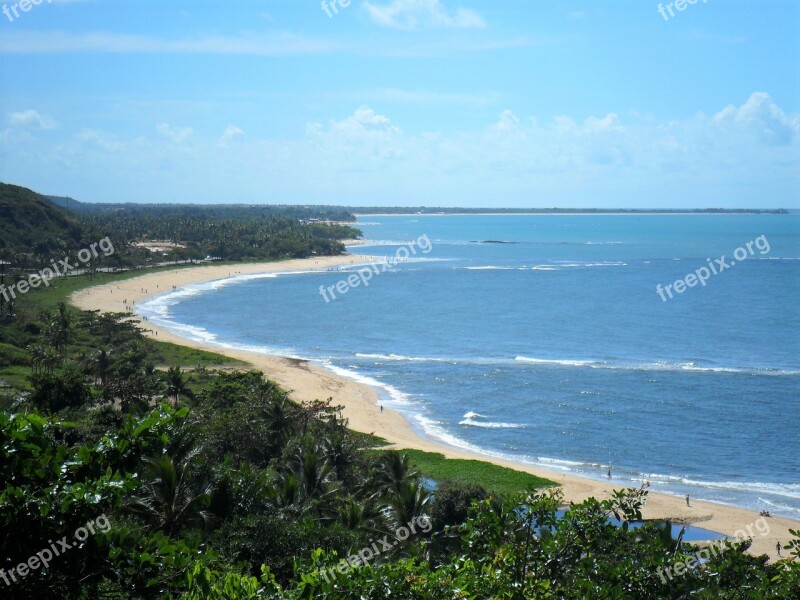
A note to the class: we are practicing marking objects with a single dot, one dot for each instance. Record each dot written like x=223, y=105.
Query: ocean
x=545, y=339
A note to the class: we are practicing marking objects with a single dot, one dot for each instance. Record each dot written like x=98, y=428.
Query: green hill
x=32, y=227
x=66, y=202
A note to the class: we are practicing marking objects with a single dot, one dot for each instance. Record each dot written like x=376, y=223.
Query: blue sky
x=404, y=102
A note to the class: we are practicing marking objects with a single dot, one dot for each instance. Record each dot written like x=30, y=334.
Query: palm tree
x=314, y=472
x=36, y=353
x=391, y=471
x=171, y=499
x=308, y=482
x=361, y=516
x=99, y=365
x=43, y=358
x=286, y=493
x=280, y=415
x=60, y=327
x=176, y=385
x=352, y=515
x=340, y=452
x=406, y=503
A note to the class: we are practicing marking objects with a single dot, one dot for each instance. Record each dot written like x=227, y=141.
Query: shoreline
x=306, y=381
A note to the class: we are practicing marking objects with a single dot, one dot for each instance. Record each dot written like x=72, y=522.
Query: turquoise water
x=554, y=347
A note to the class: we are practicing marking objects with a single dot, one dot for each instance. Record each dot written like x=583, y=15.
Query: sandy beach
x=307, y=382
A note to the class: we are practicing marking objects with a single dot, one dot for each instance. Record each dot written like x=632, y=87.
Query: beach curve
x=306, y=382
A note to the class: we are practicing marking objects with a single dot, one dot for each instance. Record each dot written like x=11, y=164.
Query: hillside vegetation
x=31, y=225
x=37, y=229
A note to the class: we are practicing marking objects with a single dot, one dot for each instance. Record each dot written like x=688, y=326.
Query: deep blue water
x=555, y=348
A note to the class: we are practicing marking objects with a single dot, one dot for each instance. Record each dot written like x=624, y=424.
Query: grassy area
x=494, y=478
x=14, y=370
x=174, y=354
x=370, y=440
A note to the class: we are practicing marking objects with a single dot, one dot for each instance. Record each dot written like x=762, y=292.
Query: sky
x=474, y=103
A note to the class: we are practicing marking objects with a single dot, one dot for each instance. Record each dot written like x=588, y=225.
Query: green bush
x=276, y=542
x=452, y=503
x=63, y=388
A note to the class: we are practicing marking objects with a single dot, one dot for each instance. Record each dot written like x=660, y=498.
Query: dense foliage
x=236, y=212
x=177, y=527
x=200, y=235
x=31, y=226
x=35, y=231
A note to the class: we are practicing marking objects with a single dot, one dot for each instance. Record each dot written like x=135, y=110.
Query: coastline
x=306, y=381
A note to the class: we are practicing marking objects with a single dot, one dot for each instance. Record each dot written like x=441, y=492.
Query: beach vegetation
x=504, y=480
x=40, y=231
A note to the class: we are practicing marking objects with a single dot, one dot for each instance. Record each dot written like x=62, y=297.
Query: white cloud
x=607, y=123
x=508, y=122
x=31, y=119
x=93, y=137
x=363, y=136
x=419, y=14
x=365, y=122
x=275, y=44
x=762, y=118
x=248, y=44
x=177, y=135
x=744, y=155
x=230, y=134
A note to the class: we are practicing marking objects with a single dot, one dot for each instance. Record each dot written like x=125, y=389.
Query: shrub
x=66, y=387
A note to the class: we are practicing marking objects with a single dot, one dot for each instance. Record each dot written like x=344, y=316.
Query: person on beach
x=381, y=407
x=687, y=501
x=778, y=548
x=609, y=472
